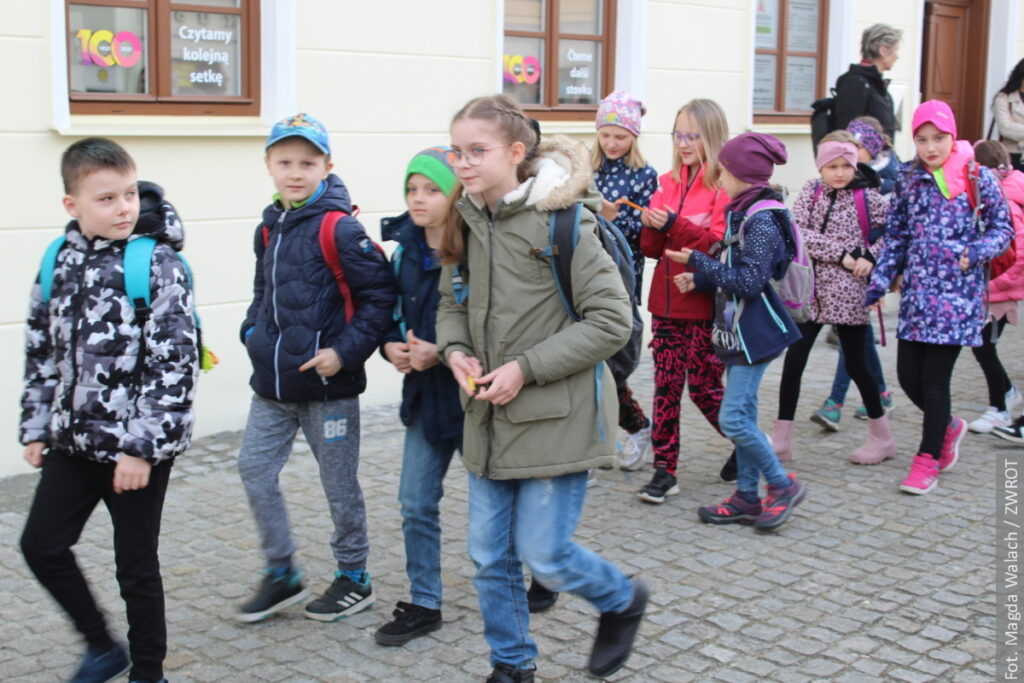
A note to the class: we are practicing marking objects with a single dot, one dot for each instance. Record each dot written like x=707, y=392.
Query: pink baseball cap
x=937, y=113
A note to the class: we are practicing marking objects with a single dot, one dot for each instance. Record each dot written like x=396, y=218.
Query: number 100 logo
x=103, y=48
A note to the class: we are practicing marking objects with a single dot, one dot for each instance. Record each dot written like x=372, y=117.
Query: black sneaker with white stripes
x=342, y=598
x=1014, y=433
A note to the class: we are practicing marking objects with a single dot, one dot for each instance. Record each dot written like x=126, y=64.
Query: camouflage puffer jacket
x=82, y=393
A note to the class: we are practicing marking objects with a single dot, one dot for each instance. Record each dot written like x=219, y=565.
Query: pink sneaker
x=951, y=444
x=924, y=475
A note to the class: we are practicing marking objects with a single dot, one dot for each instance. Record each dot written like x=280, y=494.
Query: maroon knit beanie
x=752, y=157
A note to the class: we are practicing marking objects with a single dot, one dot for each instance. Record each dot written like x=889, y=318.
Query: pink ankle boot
x=880, y=445
x=782, y=440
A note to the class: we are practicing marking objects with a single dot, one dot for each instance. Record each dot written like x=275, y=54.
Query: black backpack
x=564, y=234
x=823, y=118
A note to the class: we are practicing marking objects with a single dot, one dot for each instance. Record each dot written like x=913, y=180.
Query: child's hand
x=608, y=210
x=685, y=282
x=878, y=305
x=965, y=260
x=464, y=366
x=681, y=256
x=398, y=354
x=848, y=261
x=505, y=383
x=654, y=218
x=422, y=354
x=862, y=268
x=897, y=283
x=325, y=361
x=34, y=453
x=131, y=474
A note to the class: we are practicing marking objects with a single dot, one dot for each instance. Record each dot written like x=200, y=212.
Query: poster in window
x=766, y=25
x=764, y=82
x=802, y=26
x=579, y=71
x=523, y=70
x=206, y=54
x=108, y=50
x=801, y=82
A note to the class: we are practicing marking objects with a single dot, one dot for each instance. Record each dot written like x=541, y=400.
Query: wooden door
x=953, y=60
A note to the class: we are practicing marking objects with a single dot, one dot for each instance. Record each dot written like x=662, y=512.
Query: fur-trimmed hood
x=563, y=177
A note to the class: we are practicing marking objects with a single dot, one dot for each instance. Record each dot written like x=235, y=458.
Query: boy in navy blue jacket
x=308, y=337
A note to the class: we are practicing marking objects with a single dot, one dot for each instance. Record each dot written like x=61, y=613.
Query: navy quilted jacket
x=297, y=308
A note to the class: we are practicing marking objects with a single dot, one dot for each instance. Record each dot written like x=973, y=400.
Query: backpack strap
x=48, y=265
x=398, y=315
x=757, y=207
x=860, y=199
x=138, y=255
x=563, y=236
x=265, y=232
x=460, y=283
x=329, y=248
x=817, y=192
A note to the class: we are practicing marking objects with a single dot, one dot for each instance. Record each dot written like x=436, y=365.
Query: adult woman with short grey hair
x=862, y=91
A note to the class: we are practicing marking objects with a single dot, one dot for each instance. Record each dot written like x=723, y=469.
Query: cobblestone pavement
x=863, y=584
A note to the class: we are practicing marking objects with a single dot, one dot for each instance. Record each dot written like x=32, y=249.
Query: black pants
x=924, y=371
x=68, y=492
x=852, y=338
x=995, y=375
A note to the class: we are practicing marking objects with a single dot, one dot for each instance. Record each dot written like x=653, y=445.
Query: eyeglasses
x=474, y=156
x=688, y=138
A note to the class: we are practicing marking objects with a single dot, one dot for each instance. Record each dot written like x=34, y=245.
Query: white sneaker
x=591, y=478
x=991, y=418
x=1013, y=399
x=635, y=450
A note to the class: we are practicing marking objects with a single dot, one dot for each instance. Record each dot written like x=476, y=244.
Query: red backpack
x=329, y=249
x=1004, y=261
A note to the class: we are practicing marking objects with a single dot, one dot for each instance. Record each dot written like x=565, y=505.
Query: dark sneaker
x=540, y=598
x=732, y=510
x=279, y=589
x=728, y=473
x=778, y=504
x=344, y=597
x=101, y=666
x=1014, y=433
x=616, y=632
x=409, y=622
x=662, y=485
x=506, y=674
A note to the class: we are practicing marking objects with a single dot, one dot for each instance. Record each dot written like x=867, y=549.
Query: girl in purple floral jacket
x=935, y=251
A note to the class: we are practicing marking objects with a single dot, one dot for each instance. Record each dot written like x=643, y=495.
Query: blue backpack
x=138, y=254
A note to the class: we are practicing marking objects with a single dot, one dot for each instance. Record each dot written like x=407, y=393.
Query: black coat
x=862, y=91
x=433, y=393
x=297, y=307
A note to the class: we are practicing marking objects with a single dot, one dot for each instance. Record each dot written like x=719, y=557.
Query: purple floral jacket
x=926, y=234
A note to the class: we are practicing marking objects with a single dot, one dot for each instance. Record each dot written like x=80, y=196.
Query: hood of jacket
x=335, y=197
x=870, y=73
x=864, y=177
x=397, y=228
x=563, y=176
x=1013, y=186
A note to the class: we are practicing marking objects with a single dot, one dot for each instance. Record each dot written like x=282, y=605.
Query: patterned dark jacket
x=297, y=308
x=82, y=394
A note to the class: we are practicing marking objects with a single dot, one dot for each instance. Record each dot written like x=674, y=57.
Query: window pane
x=525, y=15
x=108, y=50
x=524, y=77
x=206, y=54
x=801, y=78
x=579, y=71
x=766, y=28
x=802, y=26
x=580, y=16
x=209, y=3
x=764, y=82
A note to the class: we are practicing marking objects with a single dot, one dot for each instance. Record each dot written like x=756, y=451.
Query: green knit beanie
x=434, y=163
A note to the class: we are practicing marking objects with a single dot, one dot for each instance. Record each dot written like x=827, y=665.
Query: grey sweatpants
x=332, y=430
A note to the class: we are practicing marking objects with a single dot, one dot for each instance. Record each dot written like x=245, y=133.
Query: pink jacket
x=1010, y=285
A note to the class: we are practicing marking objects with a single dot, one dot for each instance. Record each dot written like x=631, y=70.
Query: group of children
x=500, y=363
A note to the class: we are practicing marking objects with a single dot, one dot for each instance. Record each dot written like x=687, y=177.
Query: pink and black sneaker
x=778, y=504
x=732, y=510
x=924, y=475
x=951, y=444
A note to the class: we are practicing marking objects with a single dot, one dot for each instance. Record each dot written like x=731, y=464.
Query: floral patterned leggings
x=683, y=356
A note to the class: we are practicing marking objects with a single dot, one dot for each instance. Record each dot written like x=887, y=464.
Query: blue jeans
x=532, y=520
x=424, y=465
x=738, y=421
x=841, y=384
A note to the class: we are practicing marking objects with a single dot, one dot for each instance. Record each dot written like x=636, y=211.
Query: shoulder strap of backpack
x=138, y=256
x=329, y=249
x=48, y=265
x=265, y=232
x=860, y=199
x=563, y=236
x=757, y=207
x=973, y=196
x=817, y=192
x=398, y=315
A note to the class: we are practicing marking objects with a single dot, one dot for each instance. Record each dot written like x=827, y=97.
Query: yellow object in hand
x=471, y=381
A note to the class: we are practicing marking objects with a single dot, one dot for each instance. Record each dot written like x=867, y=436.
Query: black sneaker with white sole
x=344, y=597
x=280, y=588
x=662, y=485
x=1014, y=433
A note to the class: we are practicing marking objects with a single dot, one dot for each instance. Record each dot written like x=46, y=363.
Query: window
x=559, y=55
x=198, y=57
x=789, y=58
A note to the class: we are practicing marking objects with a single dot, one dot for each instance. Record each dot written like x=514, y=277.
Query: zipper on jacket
x=75, y=306
x=487, y=324
x=273, y=302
